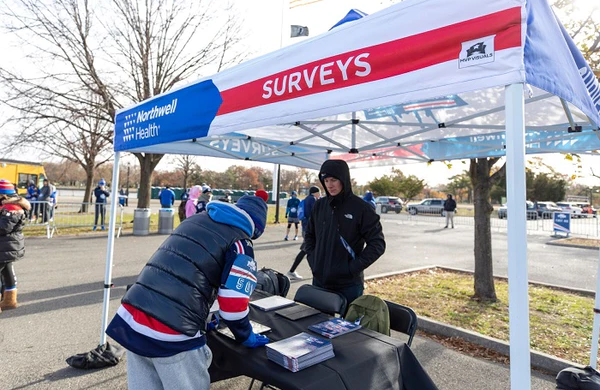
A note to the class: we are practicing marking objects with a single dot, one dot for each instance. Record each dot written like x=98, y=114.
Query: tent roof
x=416, y=92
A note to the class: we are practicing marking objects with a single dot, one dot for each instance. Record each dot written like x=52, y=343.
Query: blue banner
x=352, y=15
x=180, y=115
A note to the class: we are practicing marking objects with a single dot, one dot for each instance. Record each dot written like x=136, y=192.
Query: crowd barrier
x=52, y=217
x=586, y=226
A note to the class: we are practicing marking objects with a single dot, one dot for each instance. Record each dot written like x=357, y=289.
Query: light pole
x=127, y=189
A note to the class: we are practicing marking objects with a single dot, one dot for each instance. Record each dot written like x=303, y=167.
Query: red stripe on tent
x=375, y=62
x=144, y=319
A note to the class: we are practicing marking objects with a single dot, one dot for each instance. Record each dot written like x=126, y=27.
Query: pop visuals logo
x=477, y=52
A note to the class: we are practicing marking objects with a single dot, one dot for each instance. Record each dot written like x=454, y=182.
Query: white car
x=572, y=208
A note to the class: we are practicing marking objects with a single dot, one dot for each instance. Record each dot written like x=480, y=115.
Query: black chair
x=326, y=301
x=403, y=319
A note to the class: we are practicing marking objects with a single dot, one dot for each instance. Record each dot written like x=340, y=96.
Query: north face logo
x=476, y=48
x=349, y=216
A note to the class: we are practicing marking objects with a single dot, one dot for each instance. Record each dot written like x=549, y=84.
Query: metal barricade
x=73, y=215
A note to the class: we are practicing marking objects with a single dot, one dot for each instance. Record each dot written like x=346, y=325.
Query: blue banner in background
x=562, y=223
x=180, y=115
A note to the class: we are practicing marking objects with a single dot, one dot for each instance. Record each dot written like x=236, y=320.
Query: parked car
x=572, y=208
x=427, y=206
x=389, y=203
x=529, y=209
x=545, y=209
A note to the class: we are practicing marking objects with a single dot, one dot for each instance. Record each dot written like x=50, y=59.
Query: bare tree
x=186, y=164
x=143, y=49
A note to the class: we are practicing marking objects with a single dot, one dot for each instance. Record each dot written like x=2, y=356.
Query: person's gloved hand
x=256, y=340
x=213, y=324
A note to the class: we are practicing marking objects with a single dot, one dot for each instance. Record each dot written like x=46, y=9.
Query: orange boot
x=9, y=301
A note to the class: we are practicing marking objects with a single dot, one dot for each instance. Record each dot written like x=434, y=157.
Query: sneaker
x=446, y=227
x=295, y=238
x=286, y=238
x=103, y=228
x=293, y=276
x=94, y=228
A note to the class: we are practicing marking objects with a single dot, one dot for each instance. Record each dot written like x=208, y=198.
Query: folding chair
x=326, y=301
x=403, y=319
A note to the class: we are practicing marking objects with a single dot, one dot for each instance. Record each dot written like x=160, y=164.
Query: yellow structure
x=21, y=173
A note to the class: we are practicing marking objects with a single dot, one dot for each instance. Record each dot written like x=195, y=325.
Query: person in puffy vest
x=162, y=318
x=12, y=241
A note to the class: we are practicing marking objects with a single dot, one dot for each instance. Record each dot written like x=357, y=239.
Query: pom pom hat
x=6, y=187
x=262, y=194
x=102, y=182
x=256, y=208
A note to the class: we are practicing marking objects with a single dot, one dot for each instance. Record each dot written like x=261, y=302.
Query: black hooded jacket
x=349, y=216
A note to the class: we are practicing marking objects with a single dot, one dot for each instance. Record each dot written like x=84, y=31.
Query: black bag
x=272, y=282
x=575, y=378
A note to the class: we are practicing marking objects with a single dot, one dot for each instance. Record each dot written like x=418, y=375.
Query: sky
x=266, y=26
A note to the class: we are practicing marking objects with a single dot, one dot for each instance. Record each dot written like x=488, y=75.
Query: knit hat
x=314, y=190
x=6, y=187
x=102, y=182
x=294, y=193
x=256, y=207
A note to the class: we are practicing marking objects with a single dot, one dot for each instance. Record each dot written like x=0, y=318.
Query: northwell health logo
x=477, y=52
x=136, y=127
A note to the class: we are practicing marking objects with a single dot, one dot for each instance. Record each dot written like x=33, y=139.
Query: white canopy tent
x=422, y=80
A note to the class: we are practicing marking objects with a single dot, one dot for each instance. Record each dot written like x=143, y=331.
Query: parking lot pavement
x=60, y=292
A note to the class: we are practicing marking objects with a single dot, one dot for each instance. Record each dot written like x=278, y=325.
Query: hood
x=338, y=169
x=195, y=192
x=368, y=196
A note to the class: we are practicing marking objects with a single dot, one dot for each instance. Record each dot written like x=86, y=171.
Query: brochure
x=334, y=327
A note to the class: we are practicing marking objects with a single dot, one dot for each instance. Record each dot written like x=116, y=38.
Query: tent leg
x=596, y=326
x=110, y=247
x=518, y=298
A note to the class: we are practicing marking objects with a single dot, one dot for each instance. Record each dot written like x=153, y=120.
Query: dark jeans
x=350, y=292
x=100, y=211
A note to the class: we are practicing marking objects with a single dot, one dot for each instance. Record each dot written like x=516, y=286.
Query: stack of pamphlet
x=334, y=327
x=300, y=351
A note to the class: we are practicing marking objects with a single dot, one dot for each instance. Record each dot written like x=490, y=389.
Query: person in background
x=449, y=208
x=162, y=319
x=181, y=210
x=12, y=241
x=45, y=199
x=226, y=197
x=53, y=199
x=32, y=196
x=167, y=197
x=343, y=236
x=314, y=193
x=190, y=205
x=204, y=198
x=122, y=196
x=370, y=199
x=291, y=213
x=101, y=194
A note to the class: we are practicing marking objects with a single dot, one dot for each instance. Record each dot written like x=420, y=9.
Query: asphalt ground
x=60, y=295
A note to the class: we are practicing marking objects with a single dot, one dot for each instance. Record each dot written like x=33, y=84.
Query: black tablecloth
x=363, y=360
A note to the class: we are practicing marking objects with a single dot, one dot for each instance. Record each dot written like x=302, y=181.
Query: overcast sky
x=262, y=22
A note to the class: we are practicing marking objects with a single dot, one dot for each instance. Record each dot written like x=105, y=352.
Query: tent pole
x=353, y=130
x=518, y=298
x=596, y=325
x=276, y=186
x=110, y=247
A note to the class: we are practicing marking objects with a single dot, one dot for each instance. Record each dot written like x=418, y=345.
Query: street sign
x=562, y=223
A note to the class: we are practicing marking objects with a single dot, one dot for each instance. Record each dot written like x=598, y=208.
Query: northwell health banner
x=383, y=59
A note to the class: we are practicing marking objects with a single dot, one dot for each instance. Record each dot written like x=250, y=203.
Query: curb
x=572, y=245
x=539, y=360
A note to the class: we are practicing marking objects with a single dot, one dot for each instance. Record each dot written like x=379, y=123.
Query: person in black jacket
x=343, y=235
x=449, y=208
x=101, y=195
x=12, y=241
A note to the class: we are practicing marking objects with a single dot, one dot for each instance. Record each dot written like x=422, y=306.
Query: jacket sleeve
x=309, y=235
x=237, y=284
x=372, y=232
x=190, y=208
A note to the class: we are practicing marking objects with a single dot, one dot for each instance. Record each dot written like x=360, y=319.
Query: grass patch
x=560, y=321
